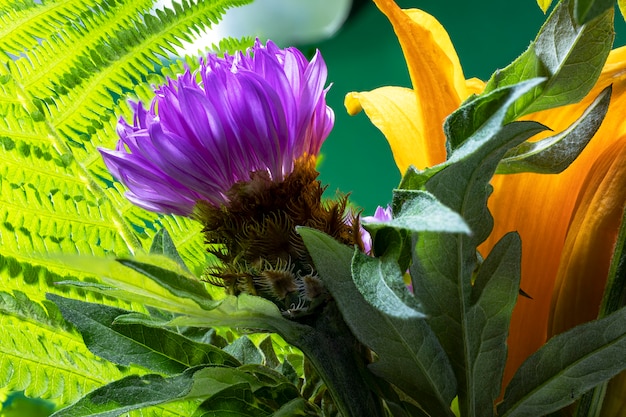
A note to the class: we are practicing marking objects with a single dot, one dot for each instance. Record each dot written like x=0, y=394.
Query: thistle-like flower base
x=255, y=239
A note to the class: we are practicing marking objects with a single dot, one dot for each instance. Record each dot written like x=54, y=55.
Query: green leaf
x=615, y=291
x=152, y=280
x=419, y=211
x=136, y=392
x=183, y=286
x=235, y=401
x=409, y=354
x=492, y=300
x=380, y=282
x=475, y=112
x=162, y=244
x=554, y=154
x=587, y=10
x=295, y=408
x=156, y=349
x=243, y=311
x=482, y=127
x=566, y=367
x=245, y=351
x=276, y=389
x=65, y=69
x=249, y=390
x=569, y=55
x=444, y=264
x=414, y=211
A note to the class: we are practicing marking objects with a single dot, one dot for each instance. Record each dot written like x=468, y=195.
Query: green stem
x=338, y=359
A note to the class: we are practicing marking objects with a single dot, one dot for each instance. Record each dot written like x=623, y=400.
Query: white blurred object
x=286, y=22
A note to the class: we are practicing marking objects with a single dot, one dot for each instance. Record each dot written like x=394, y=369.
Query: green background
x=365, y=54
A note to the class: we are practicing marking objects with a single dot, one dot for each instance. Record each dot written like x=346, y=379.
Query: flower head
x=234, y=145
x=257, y=111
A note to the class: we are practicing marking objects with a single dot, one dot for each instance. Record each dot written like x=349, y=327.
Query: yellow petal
x=474, y=86
x=393, y=110
x=544, y=4
x=435, y=72
x=622, y=7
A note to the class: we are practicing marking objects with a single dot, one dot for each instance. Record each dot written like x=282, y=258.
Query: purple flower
x=380, y=215
x=257, y=111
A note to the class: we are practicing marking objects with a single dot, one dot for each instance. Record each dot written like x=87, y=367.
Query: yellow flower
x=568, y=222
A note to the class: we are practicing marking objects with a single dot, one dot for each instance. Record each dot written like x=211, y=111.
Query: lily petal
x=590, y=242
x=393, y=110
x=436, y=75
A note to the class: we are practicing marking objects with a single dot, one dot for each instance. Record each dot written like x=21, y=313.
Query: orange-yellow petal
x=586, y=257
x=590, y=242
x=435, y=72
x=393, y=110
x=540, y=208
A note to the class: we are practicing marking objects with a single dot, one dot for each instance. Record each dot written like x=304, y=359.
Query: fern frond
x=23, y=27
x=66, y=67
x=39, y=355
x=34, y=353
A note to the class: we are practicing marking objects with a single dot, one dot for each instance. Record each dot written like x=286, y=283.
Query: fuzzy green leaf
x=566, y=367
x=555, y=153
x=474, y=113
x=380, y=282
x=245, y=351
x=444, y=264
x=235, y=401
x=409, y=354
x=242, y=311
x=419, y=211
x=568, y=54
x=414, y=211
x=156, y=349
x=492, y=300
x=136, y=392
x=248, y=389
x=295, y=408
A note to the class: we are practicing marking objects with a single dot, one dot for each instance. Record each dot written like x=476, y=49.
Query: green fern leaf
x=66, y=70
x=34, y=346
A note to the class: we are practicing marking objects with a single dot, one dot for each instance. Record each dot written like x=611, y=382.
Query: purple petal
x=254, y=111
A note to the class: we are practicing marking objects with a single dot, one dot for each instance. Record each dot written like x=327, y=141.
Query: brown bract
x=254, y=237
